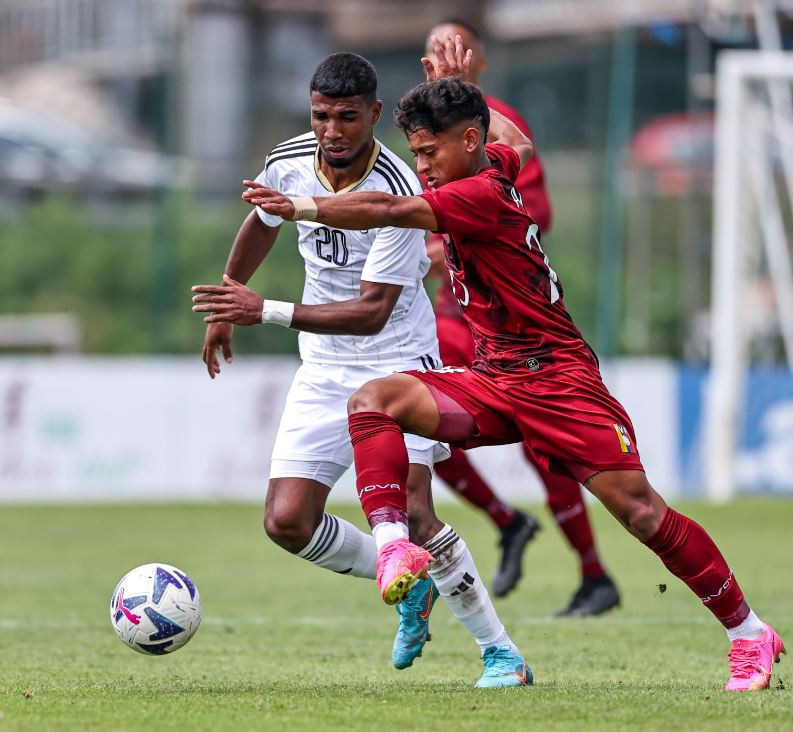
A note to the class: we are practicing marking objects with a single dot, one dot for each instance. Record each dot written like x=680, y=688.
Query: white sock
x=341, y=547
x=389, y=531
x=752, y=627
x=457, y=579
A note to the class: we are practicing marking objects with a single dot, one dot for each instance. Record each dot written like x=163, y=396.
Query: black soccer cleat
x=514, y=539
x=595, y=596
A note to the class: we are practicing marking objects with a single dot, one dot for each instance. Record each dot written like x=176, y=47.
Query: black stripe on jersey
x=286, y=156
x=295, y=143
x=388, y=179
x=392, y=166
x=424, y=363
x=382, y=167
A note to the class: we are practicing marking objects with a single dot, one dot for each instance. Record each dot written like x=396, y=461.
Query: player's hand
x=218, y=336
x=270, y=201
x=452, y=59
x=435, y=253
x=231, y=302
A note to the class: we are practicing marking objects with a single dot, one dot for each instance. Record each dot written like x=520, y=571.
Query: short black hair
x=468, y=25
x=345, y=75
x=439, y=105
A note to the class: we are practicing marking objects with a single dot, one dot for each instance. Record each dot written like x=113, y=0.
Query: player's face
x=447, y=156
x=344, y=127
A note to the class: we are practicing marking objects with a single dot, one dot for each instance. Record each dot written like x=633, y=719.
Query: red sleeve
x=506, y=157
x=464, y=208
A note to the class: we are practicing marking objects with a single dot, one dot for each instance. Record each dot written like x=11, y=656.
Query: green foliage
x=126, y=273
x=285, y=645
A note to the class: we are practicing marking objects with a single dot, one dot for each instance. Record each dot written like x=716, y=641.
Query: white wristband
x=278, y=312
x=305, y=208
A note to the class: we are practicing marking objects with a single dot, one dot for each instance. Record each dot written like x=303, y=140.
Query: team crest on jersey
x=626, y=445
x=515, y=195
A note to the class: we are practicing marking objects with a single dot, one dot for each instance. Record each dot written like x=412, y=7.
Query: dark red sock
x=566, y=504
x=381, y=466
x=458, y=473
x=691, y=555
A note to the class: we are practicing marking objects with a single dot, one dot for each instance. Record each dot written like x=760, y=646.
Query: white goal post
x=753, y=190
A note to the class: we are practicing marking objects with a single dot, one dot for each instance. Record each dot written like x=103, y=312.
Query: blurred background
x=126, y=127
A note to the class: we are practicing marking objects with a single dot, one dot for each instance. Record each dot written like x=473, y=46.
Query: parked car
x=40, y=153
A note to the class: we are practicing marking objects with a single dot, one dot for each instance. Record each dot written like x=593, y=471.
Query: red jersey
x=511, y=298
x=531, y=185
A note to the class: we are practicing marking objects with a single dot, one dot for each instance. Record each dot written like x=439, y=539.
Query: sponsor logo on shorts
x=378, y=486
x=533, y=364
x=626, y=444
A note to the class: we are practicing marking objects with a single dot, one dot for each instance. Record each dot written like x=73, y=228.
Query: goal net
x=748, y=420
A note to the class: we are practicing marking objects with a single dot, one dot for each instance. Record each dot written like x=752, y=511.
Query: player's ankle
x=750, y=628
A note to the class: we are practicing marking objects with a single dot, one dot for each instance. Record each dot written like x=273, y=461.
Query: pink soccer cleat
x=751, y=661
x=400, y=563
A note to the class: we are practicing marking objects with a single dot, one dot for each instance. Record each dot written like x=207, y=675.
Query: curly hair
x=439, y=105
x=345, y=75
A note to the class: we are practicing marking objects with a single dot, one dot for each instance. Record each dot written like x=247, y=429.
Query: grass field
x=286, y=646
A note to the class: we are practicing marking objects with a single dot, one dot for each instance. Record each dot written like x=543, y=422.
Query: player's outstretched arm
x=365, y=210
x=252, y=244
x=503, y=132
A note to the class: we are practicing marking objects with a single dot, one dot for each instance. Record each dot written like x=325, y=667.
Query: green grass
x=286, y=646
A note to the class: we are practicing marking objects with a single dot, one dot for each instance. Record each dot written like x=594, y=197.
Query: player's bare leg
x=295, y=519
x=403, y=402
x=691, y=555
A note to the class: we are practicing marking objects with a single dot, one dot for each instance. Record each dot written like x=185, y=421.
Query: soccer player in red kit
x=535, y=379
x=597, y=592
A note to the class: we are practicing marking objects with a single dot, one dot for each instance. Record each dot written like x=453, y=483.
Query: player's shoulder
x=294, y=151
x=395, y=174
x=506, y=157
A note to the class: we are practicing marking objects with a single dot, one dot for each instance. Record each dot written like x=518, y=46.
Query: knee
x=366, y=399
x=642, y=512
x=643, y=520
x=632, y=500
x=289, y=532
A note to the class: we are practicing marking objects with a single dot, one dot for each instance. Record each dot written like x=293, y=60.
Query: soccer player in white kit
x=364, y=314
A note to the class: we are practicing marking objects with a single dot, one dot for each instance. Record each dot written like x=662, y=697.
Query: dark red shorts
x=568, y=420
x=455, y=341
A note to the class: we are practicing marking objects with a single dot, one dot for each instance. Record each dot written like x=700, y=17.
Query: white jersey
x=336, y=260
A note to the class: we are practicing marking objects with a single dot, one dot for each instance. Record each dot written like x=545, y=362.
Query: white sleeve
x=269, y=178
x=397, y=257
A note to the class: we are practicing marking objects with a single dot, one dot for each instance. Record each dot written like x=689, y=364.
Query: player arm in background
x=504, y=132
x=453, y=59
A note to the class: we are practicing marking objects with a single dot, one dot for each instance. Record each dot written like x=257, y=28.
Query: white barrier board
x=142, y=429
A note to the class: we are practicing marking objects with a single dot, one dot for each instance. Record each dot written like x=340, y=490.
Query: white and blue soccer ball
x=155, y=609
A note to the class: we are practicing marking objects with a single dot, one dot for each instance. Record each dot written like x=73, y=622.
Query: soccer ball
x=155, y=609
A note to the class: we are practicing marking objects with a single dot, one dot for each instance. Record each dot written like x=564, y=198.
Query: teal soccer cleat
x=504, y=667
x=414, y=624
